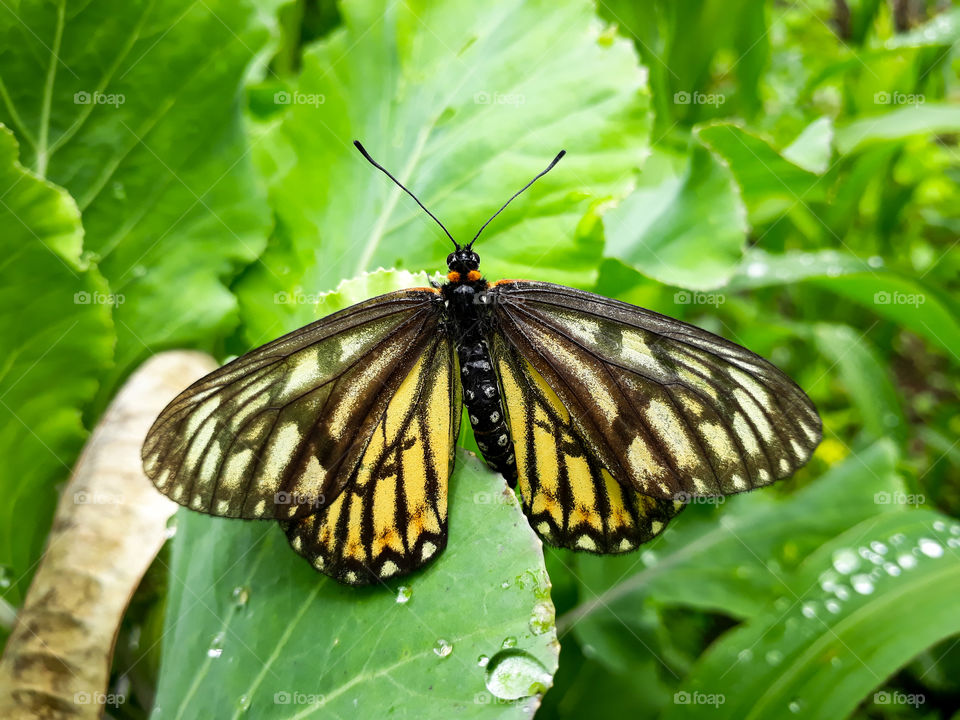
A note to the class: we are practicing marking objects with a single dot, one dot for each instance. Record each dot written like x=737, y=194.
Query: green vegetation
x=179, y=174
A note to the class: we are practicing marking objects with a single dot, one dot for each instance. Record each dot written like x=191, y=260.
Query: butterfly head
x=463, y=261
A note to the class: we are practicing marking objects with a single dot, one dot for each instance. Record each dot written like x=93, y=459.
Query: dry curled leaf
x=110, y=524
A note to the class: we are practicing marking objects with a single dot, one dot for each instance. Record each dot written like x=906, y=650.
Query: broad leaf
x=251, y=627
x=687, y=229
x=464, y=102
x=134, y=108
x=57, y=344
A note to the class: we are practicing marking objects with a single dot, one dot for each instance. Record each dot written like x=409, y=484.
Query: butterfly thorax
x=470, y=315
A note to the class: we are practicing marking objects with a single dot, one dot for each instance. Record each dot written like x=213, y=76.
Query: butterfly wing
x=667, y=408
x=391, y=516
x=569, y=496
x=278, y=432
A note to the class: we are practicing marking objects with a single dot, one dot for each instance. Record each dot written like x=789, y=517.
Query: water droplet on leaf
x=513, y=674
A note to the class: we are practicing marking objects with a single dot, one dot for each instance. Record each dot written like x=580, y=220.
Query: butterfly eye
x=450, y=258
x=473, y=260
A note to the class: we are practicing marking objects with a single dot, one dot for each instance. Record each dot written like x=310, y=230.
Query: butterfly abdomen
x=481, y=391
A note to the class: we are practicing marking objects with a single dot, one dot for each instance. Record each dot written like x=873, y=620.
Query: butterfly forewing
x=391, y=516
x=277, y=432
x=667, y=408
x=571, y=499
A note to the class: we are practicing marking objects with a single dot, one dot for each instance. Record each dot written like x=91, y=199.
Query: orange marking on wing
x=453, y=276
x=474, y=275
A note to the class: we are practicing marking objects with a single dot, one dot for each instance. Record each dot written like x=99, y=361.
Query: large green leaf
x=57, y=343
x=464, y=102
x=252, y=627
x=134, y=108
x=687, y=229
x=899, y=297
x=772, y=185
x=861, y=607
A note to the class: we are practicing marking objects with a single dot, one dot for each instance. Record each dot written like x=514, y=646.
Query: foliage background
x=179, y=174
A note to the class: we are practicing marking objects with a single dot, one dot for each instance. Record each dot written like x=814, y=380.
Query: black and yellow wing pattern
x=344, y=430
x=666, y=409
x=571, y=498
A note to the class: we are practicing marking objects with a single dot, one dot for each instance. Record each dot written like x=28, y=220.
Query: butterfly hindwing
x=570, y=498
x=391, y=516
x=277, y=432
x=667, y=408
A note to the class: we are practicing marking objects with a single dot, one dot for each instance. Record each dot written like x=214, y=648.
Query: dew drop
x=745, y=655
x=243, y=703
x=648, y=557
x=403, y=594
x=240, y=595
x=875, y=261
x=509, y=642
x=757, y=269
x=774, y=657
x=795, y=707
x=809, y=610
x=955, y=529
x=513, y=674
x=541, y=620
x=483, y=660
x=505, y=584
x=906, y=561
x=897, y=539
x=836, y=662
x=939, y=526
x=931, y=548
x=442, y=648
x=216, y=646
x=832, y=606
x=841, y=592
x=862, y=584
x=953, y=542
x=5, y=580
x=845, y=561
x=892, y=569
x=878, y=547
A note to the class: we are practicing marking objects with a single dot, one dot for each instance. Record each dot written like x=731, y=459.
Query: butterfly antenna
x=386, y=172
x=544, y=172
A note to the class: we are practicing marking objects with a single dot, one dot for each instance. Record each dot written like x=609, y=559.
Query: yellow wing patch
x=391, y=516
x=571, y=499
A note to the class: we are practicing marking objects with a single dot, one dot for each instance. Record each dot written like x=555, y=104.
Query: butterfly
x=609, y=418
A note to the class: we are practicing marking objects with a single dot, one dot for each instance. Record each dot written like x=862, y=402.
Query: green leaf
x=906, y=301
x=464, y=103
x=771, y=184
x=862, y=606
x=863, y=374
x=734, y=560
x=57, y=343
x=897, y=125
x=687, y=230
x=252, y=627
x=812, y=148
x=134, y=108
